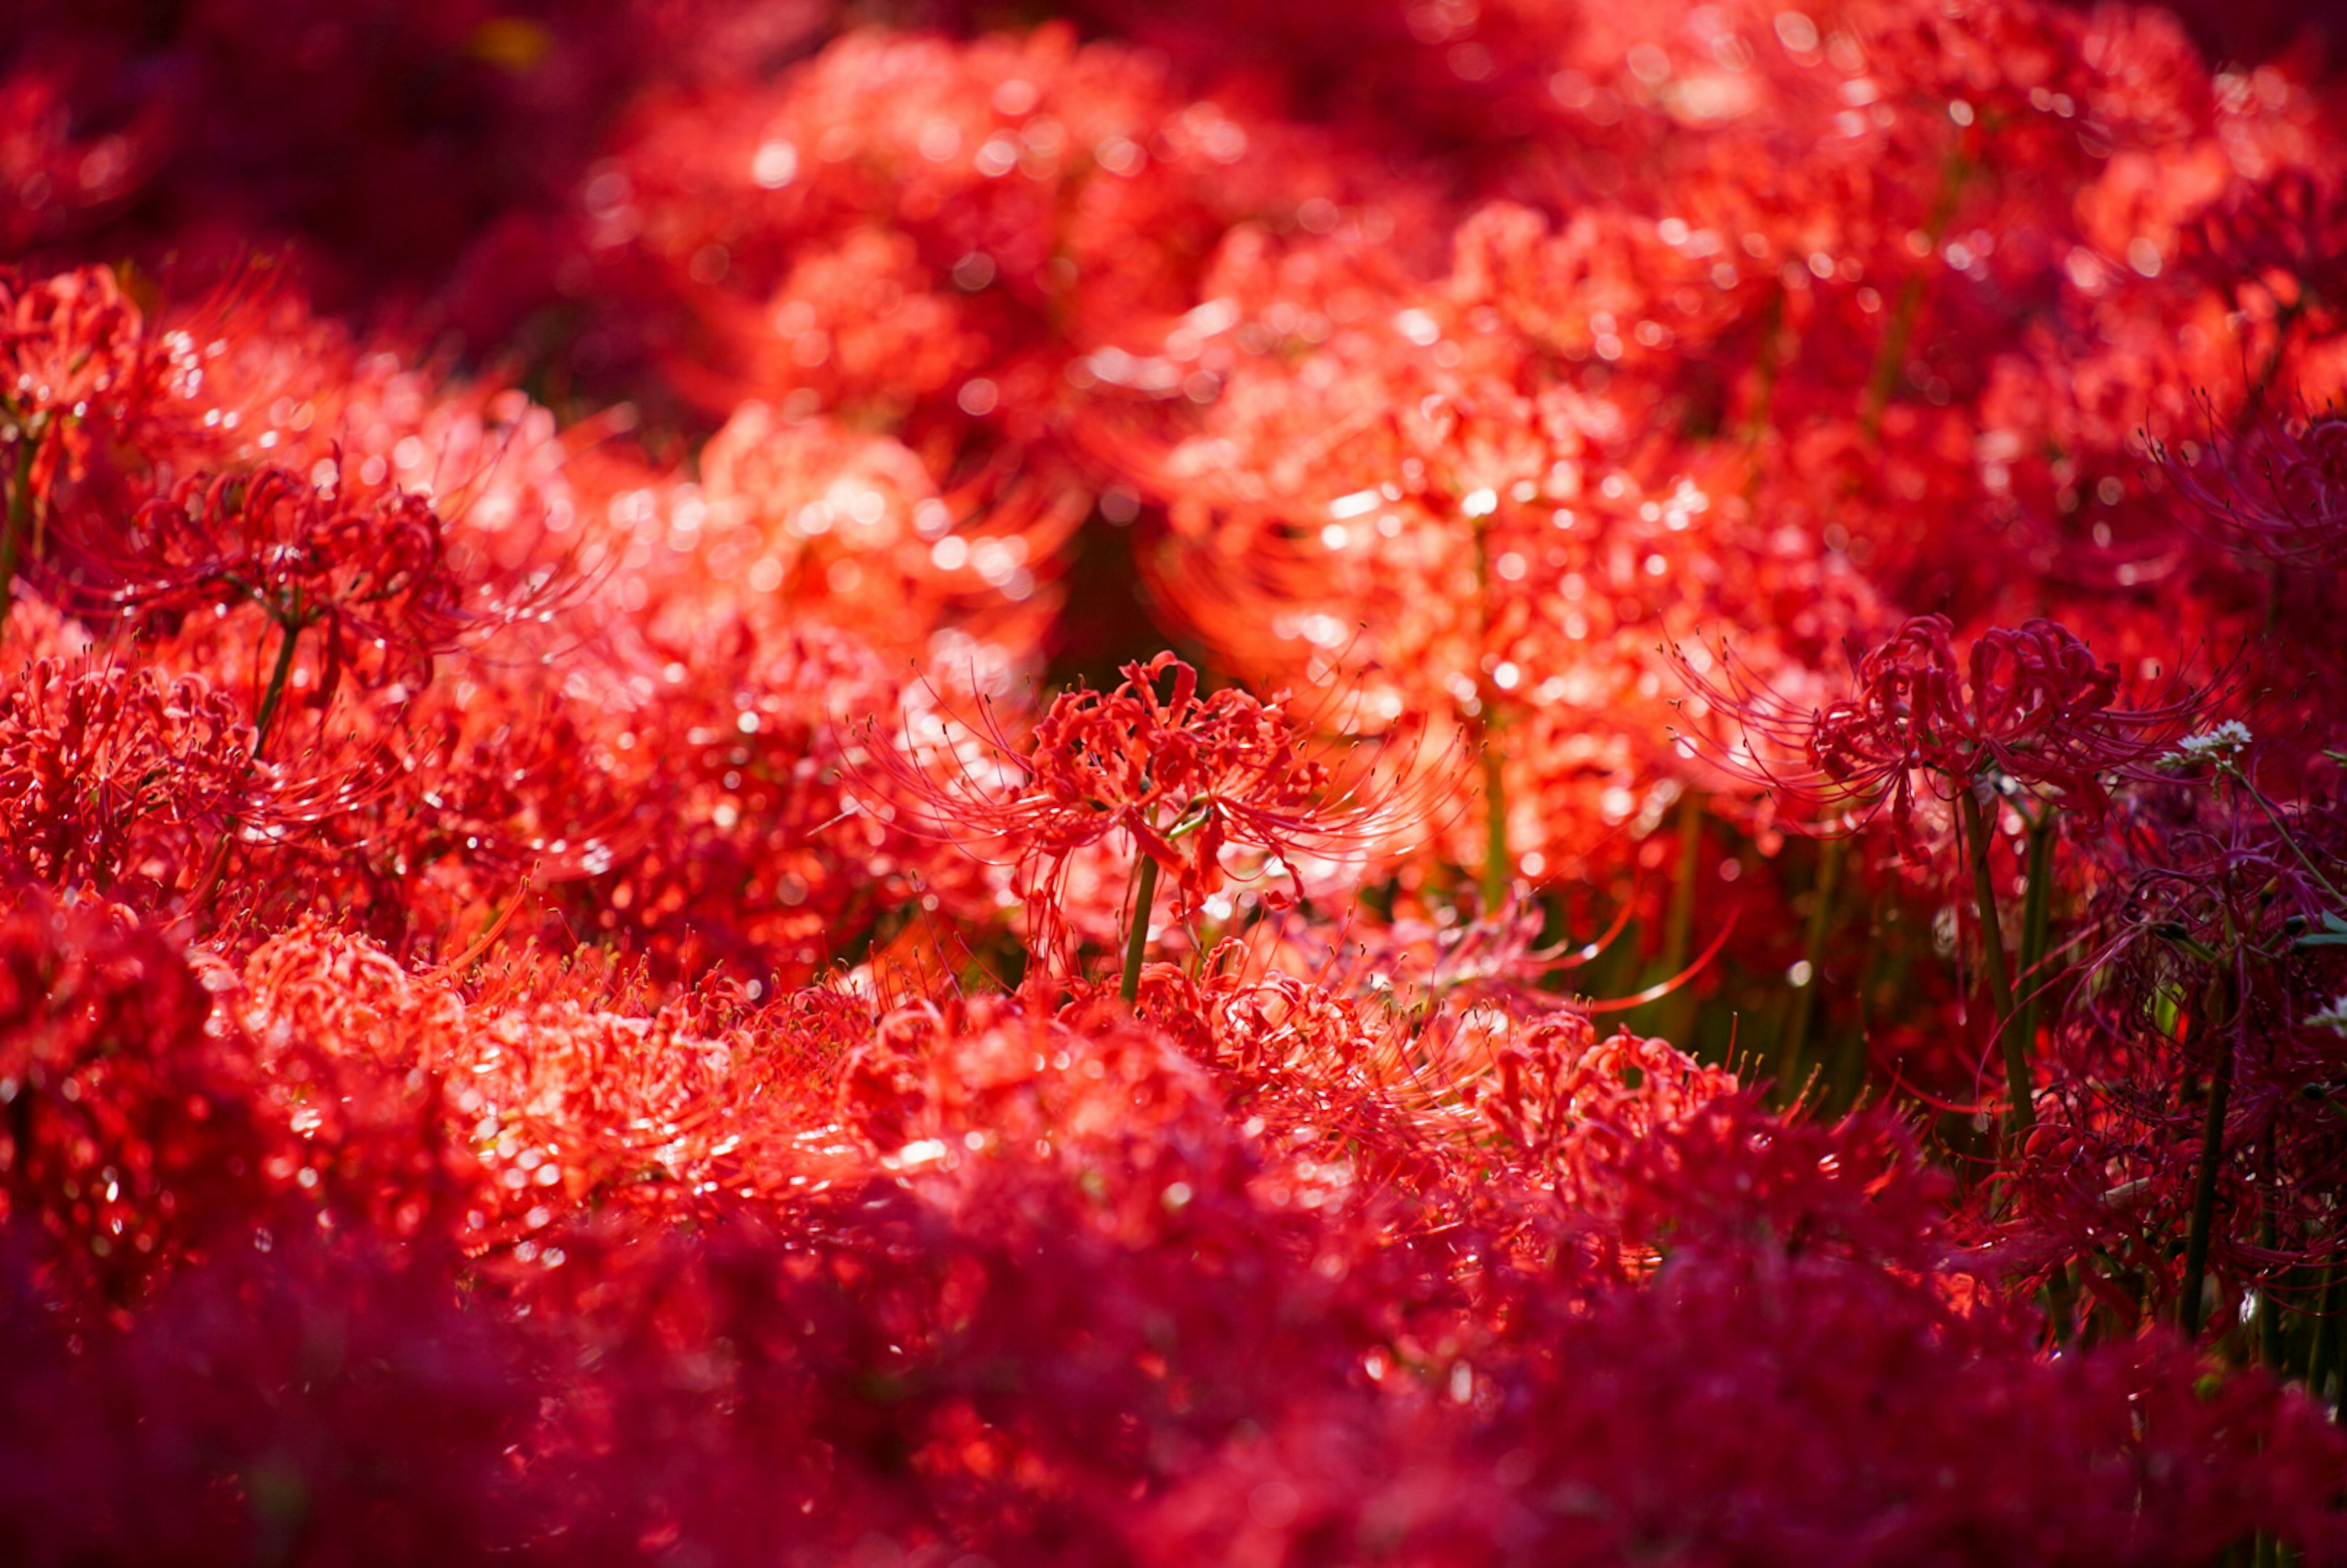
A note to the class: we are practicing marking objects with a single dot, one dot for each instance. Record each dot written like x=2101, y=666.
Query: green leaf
x=2176, y=937
x=2334, y=935
x=2165, y=1005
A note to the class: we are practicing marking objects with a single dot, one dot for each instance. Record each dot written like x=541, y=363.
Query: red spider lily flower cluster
x=1183, y=778
x=117, y=776
x=372, y=581
x=79, y=357
x=631, y=1076
x=2279, y=489
x=2029, y=710
x=1222, y=770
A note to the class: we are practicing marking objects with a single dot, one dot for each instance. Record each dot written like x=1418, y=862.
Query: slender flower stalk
x=1794, y=1050
x=2021, y=1114
x=17, y=525
x=2213, y=1016
x=1498, y=868
x=1136, y=938
x=2037, y=914
x=290, y=625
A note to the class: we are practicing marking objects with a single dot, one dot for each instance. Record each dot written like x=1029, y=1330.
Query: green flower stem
x=1499, y=865
x=2268, y=1327
x=1794, y=1047
x=1767, y=363
x=2024, y=1114
x=2212, y=1150
x=1674, y=1015
x=1136, y=939
x=1678, y=922
x=1496, y=864
x=17, y=526
x=2322, y=1355
x=289, y=633
x=2233, y=771
x=2036, y=911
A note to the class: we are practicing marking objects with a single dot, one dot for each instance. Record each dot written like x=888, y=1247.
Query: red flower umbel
x=2278, y=488
x=372, y=575
x=2030, y=706
x=118, y=778
x=1184, y=777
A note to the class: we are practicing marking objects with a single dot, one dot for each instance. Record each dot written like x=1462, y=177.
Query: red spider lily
x=113, y=776
x=1565, y=1099
x=372, y=577
x=848, y=528
x=2033, y=712
x=75, y=359
x=77, y=356
x=2279, y=489
x=44, y=154
x=2276, y=243
x=1183, y=778
x=2037, y=716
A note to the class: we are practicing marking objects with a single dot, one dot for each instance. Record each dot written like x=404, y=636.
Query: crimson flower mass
x=1718, y=619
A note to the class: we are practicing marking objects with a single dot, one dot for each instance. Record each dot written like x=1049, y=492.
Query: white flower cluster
x=2333, y=1017
x=2220, y=744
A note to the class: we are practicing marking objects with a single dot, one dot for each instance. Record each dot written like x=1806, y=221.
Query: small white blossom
x=2333, y=1017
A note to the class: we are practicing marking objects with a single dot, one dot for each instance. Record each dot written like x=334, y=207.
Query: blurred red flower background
x=1721, y=618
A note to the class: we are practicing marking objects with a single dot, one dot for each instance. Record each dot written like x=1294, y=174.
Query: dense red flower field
x=1449, y=782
